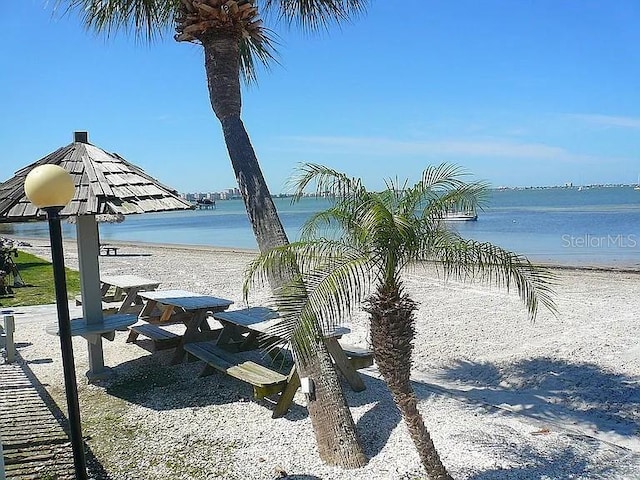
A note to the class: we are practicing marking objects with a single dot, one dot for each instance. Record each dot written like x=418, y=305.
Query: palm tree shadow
x=151, y=381
x=561, y=464
x=553, y=389
x=378, y=422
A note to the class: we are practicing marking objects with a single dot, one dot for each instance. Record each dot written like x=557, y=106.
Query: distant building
x=227, y=194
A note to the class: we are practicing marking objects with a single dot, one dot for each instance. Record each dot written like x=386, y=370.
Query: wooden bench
x=358, y=357
x=108, y=249
x=106, y=328
x=265, y=381
x=162, y=338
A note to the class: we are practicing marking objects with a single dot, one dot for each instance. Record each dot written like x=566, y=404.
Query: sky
x=516, y=92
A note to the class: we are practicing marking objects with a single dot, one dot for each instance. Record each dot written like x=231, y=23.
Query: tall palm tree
x=357, y=250
x=233, y=39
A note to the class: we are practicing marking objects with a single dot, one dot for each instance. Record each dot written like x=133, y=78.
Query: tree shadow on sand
x=378, y=422
x=530, y=464
x=552, y=389
x=151, y=381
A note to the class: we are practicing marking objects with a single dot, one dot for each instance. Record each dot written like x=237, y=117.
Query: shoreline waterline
x=594, y=228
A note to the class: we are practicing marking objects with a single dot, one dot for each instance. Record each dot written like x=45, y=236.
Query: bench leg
x=194, y=327
x=133, y=336
x=129, y=299
x=109, y=335
x=344, y=365
x=250, y=342
x=286, y=397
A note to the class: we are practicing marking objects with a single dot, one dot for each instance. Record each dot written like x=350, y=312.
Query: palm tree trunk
x=333, y=425
x=335, y=431
x=392, y=335
x=262, y=212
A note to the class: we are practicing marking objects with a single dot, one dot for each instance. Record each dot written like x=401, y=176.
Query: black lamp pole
x=64, y=329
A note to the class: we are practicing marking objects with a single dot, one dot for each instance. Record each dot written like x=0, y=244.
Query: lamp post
x=50, y=188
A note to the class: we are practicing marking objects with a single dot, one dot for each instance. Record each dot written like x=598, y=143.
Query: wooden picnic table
x=120, y=293
x=241, y=332
x=165, y=307
x=127, y=288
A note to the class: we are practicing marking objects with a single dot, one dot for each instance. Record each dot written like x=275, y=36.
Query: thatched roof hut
x=105, y=184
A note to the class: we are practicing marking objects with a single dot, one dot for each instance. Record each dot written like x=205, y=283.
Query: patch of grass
x=108, y=430
x=48, y=476
x=142, y=381
x=38, y=274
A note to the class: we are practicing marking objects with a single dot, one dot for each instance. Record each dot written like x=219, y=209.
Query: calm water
x=598, y=226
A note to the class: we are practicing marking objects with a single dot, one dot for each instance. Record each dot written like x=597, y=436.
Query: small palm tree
x=357, y=250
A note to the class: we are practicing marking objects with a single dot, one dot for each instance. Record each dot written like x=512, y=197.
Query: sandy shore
x=503, y=397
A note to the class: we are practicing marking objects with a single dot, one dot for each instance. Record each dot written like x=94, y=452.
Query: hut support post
x=88, y=251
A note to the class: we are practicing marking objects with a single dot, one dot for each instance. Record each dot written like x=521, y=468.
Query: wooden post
x=88, y=249
x=2, y=476
x=10, y=347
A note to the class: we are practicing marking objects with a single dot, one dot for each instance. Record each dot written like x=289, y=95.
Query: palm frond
x=279, y=263
x=145, y=19
x=326, y=298
x=264, y=51
x=324, y=224
x=315, y=15
x=328, y=182
x=479, y=261
x=443, y=188
x=333, y=279
x=444, y=176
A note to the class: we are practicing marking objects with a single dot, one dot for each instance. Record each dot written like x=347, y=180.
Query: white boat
x=460, y=216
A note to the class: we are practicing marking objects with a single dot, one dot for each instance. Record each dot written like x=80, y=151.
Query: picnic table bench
x=358, y=357
x=264, y=380
x=91, y=331
x=241, y=329
x=161, y=337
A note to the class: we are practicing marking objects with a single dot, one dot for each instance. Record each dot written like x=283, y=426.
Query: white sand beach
x=504, y=398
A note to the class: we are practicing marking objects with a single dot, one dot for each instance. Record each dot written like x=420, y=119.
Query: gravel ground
x=504, y=398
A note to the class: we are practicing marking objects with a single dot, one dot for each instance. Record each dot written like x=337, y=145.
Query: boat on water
x=460, y=216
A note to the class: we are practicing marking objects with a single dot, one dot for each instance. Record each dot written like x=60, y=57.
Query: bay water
x=598, y=226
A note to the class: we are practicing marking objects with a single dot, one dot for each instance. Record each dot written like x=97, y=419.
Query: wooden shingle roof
x=105, y=184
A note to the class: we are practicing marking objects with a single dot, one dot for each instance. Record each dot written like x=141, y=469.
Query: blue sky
x=518, y=92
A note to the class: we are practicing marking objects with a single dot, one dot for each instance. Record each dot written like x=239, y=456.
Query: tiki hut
x=106, y=184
